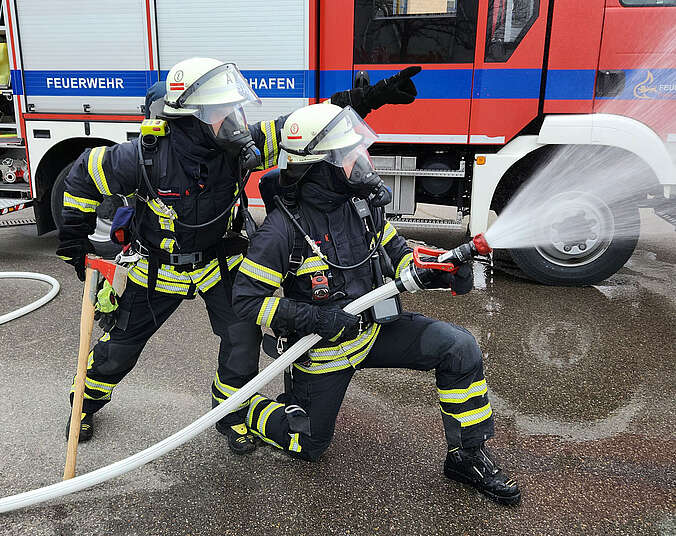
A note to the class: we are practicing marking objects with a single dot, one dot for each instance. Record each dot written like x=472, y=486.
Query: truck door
x=389, y=35
x=507, y=69
x=84, y=56
x=637, y=63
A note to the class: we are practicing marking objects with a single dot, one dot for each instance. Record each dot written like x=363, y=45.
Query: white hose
x=65, y=487
x=36, y=304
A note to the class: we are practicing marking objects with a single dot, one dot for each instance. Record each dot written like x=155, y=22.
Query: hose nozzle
x=465, y=252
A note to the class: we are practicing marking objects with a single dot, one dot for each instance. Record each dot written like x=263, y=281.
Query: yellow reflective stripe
x=261, y=273
x=167, y=224
x=346, y=348
x=458, y=396
x=312, y=265
x=167, y=244
x=253, y=402
x=162, y=286
x=266, y=439
x=152, y=205
x=265, y=415
x=403, y=263
x=337, y=336
x=270, y=149
x=267, y=311
x=294, y=445
x=64, y=258
x=95, y=166
x=234, y=207
x=80, y=203
x=322, y=368
x=227, y=391
x=390, y=233
x=234, y=261
x=474, y=416
x=211, y=282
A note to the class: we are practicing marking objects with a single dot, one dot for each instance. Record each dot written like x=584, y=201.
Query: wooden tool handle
x=86, y=325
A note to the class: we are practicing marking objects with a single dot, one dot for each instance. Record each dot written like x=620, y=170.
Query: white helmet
x=323, y=132
x=207, y=89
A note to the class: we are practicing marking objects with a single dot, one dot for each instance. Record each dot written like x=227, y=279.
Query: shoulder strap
x=297, y=243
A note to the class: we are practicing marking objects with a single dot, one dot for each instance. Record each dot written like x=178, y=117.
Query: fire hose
x=409, y=280
x=36, y=304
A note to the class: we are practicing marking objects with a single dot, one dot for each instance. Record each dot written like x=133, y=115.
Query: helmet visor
x=216, y=94
x=344, y=134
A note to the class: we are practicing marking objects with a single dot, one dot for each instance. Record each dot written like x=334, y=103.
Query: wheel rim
x=576, y=229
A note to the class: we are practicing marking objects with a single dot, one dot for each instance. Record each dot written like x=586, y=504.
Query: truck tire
x=582, y=240
x=101, y=236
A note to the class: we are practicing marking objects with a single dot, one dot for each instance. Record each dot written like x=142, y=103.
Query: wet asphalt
x=582, y=382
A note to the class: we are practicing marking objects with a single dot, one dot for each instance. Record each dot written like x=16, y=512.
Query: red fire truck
x=503, y=83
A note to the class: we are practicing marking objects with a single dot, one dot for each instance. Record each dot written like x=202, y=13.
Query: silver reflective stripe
x=390, y=233
x=458, y=396
x=80, y=203
x=261, y=273
x=468, y=418
x=167, y=224
x=294, y=445
x=267, y=311
x=210, y=282
x=233, y=261
x=268, y=129
x=263, y=417
x=140, y=278
x=337, y=364
x=255, y=400
x=96, y=170
x=142, y=266
x=345, y=348
x=311, y=265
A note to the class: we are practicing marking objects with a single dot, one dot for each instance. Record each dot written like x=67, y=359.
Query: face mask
x=235, y=139
x=362, y=177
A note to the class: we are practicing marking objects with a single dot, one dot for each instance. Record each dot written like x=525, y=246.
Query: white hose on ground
x=36, y=304
x=13, y=502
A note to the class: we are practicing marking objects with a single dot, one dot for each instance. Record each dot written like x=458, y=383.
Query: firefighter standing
x=324, y=153
x=186, y=183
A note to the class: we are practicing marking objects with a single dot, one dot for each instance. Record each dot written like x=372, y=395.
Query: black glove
x=461, y=282
x=74, y=252
x=397, y=89
x=331, y=320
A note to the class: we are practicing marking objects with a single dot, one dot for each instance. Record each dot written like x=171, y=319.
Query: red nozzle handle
x=432, y=265
x=481, y=245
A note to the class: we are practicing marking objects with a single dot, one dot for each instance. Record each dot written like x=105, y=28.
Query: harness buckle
x=179, y=259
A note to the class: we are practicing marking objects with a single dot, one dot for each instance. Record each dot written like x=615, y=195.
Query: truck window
x=508, y=23
x=652, y=3
x=415, y=31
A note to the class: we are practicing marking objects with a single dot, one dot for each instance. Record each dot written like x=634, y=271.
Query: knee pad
x=457, y=346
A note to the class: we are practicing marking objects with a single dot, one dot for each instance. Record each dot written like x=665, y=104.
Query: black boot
x=240, y=440
x=476, y=468
x=86, y=427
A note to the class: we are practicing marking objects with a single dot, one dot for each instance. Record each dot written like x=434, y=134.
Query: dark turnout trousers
x=117, y=352
x=413, y=342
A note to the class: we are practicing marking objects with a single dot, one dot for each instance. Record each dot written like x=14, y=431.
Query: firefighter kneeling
x=330, y=230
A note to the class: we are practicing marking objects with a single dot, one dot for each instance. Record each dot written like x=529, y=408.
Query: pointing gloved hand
x=397, y=89
x=460, y=283
x=74, y=252
x=106, y=307
x=330, y=321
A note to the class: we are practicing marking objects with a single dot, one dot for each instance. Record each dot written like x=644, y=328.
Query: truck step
x=16, y=191
x=14, y=223
x=425, y=223
x=12, y=204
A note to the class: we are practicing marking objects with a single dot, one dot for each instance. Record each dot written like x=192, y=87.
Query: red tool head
x=481, y=245
x=115, y=274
